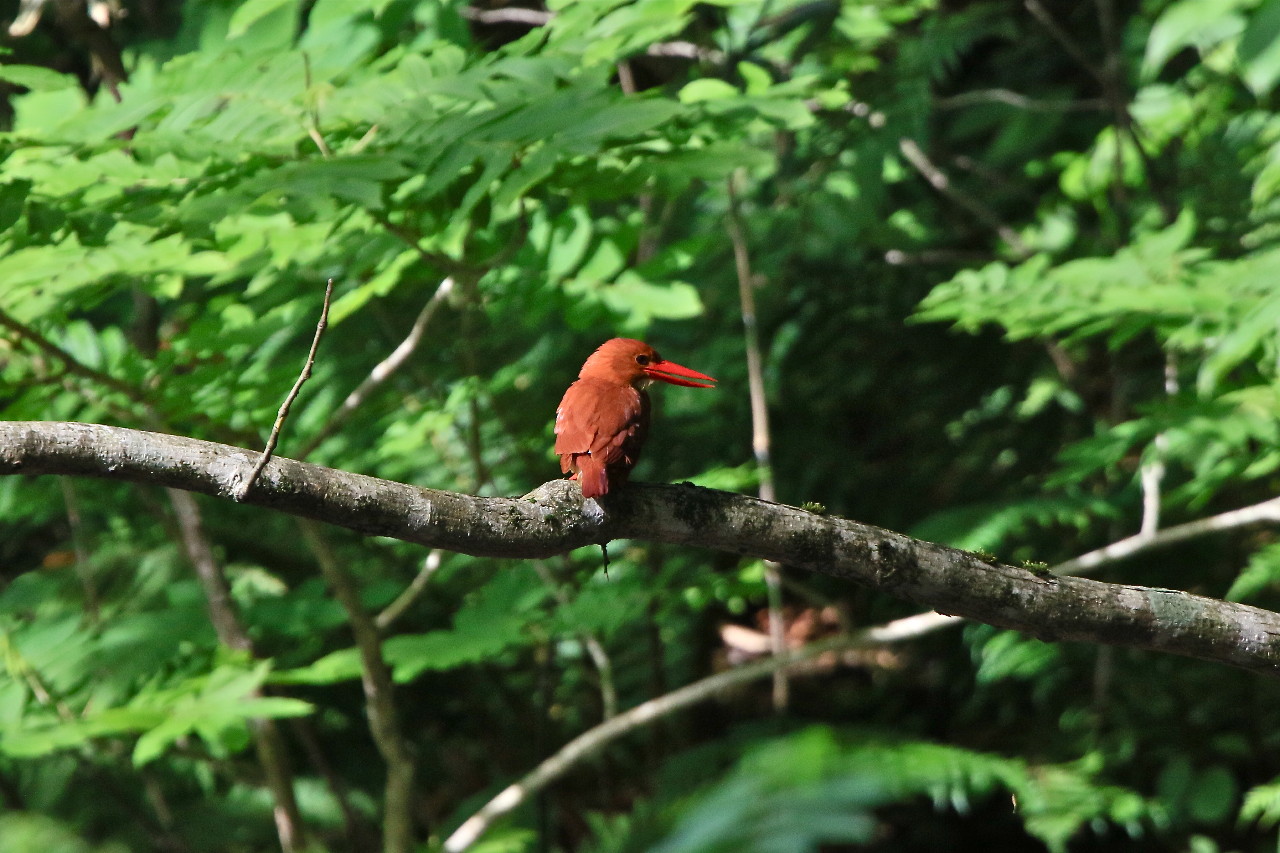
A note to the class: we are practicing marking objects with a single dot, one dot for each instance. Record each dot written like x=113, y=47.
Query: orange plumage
x=604, y=417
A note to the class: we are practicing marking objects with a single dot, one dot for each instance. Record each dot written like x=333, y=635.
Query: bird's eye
x=642, y=360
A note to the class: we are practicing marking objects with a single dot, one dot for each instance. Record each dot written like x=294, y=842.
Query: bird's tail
x=593, y=476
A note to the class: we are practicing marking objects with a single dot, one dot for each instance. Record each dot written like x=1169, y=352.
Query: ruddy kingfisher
x=604, y=417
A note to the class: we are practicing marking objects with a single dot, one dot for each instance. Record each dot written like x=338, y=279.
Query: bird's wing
x=600, y=418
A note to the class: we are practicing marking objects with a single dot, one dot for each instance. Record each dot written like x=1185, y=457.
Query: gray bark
x=554, y=518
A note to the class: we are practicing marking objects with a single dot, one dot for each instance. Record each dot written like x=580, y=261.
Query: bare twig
x=686, y=50
x=379, y=691
x=29, y=13
x=354, y=828
x=1041, y=14
x=626, y=78
x=508, y=15
x=409, y=595
x=217, y=591
x=599, y=657
x=382, y=371
x=1109, y=77
x=1019, y=101
x=433, y=259
x=950, y=257
x=1152, y=472
x=594, y=740
x=244, y=489
x=759, y=427
x=72, y=365
x=16, y=666
x=313, y=114
x=939, y=180
x=1268, y=510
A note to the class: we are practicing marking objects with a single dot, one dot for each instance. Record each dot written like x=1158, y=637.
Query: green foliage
x=1003, y=366
x=490, y=621
x=811, y=788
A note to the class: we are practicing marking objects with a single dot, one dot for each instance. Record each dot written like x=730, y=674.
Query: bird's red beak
x=678, y=374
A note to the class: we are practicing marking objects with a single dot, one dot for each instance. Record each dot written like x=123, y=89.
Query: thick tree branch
x=554, y=519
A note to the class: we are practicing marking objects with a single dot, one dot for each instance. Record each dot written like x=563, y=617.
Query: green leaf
x=1191, y=23
x=1259, y=48
x=252, y=11
x=1261, y=573
x=633, y=295
x=1008, y=655
x=1213, y=797
x=1262, y=804
x=707, y=89
x=36, y=78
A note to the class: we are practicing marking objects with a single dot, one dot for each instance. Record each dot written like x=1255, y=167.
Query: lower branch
x=554, y=518
x=596, y=739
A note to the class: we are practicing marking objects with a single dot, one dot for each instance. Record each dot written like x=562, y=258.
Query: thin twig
x=626, y=78
x=760, y=437
x=1152, y=473
x=595, y=739
x=1109, y=79
x=939, y=180
x=313, y=126
x=599, y=656
x=950, y=257
x=1019, y=101
x=354, y=828
x=1117, y=94
x=382, y=371
x=405, y=599
x=432, y=259
x=1268, y=510
x=1041, y=14
x=244, y=489
x=509, y=15
x=686, y=50
x=72, y=365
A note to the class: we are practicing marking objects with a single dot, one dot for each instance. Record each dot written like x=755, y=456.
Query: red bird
x=604, y=416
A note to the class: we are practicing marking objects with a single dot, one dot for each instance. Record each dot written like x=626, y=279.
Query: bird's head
x=632, y=362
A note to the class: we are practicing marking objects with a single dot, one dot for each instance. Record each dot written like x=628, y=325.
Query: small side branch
x=382, y=371
x=599, y=656
x=939, y=181
x=1019, y=101
x=244, y=489
x=24, y=332
x=409, y=595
